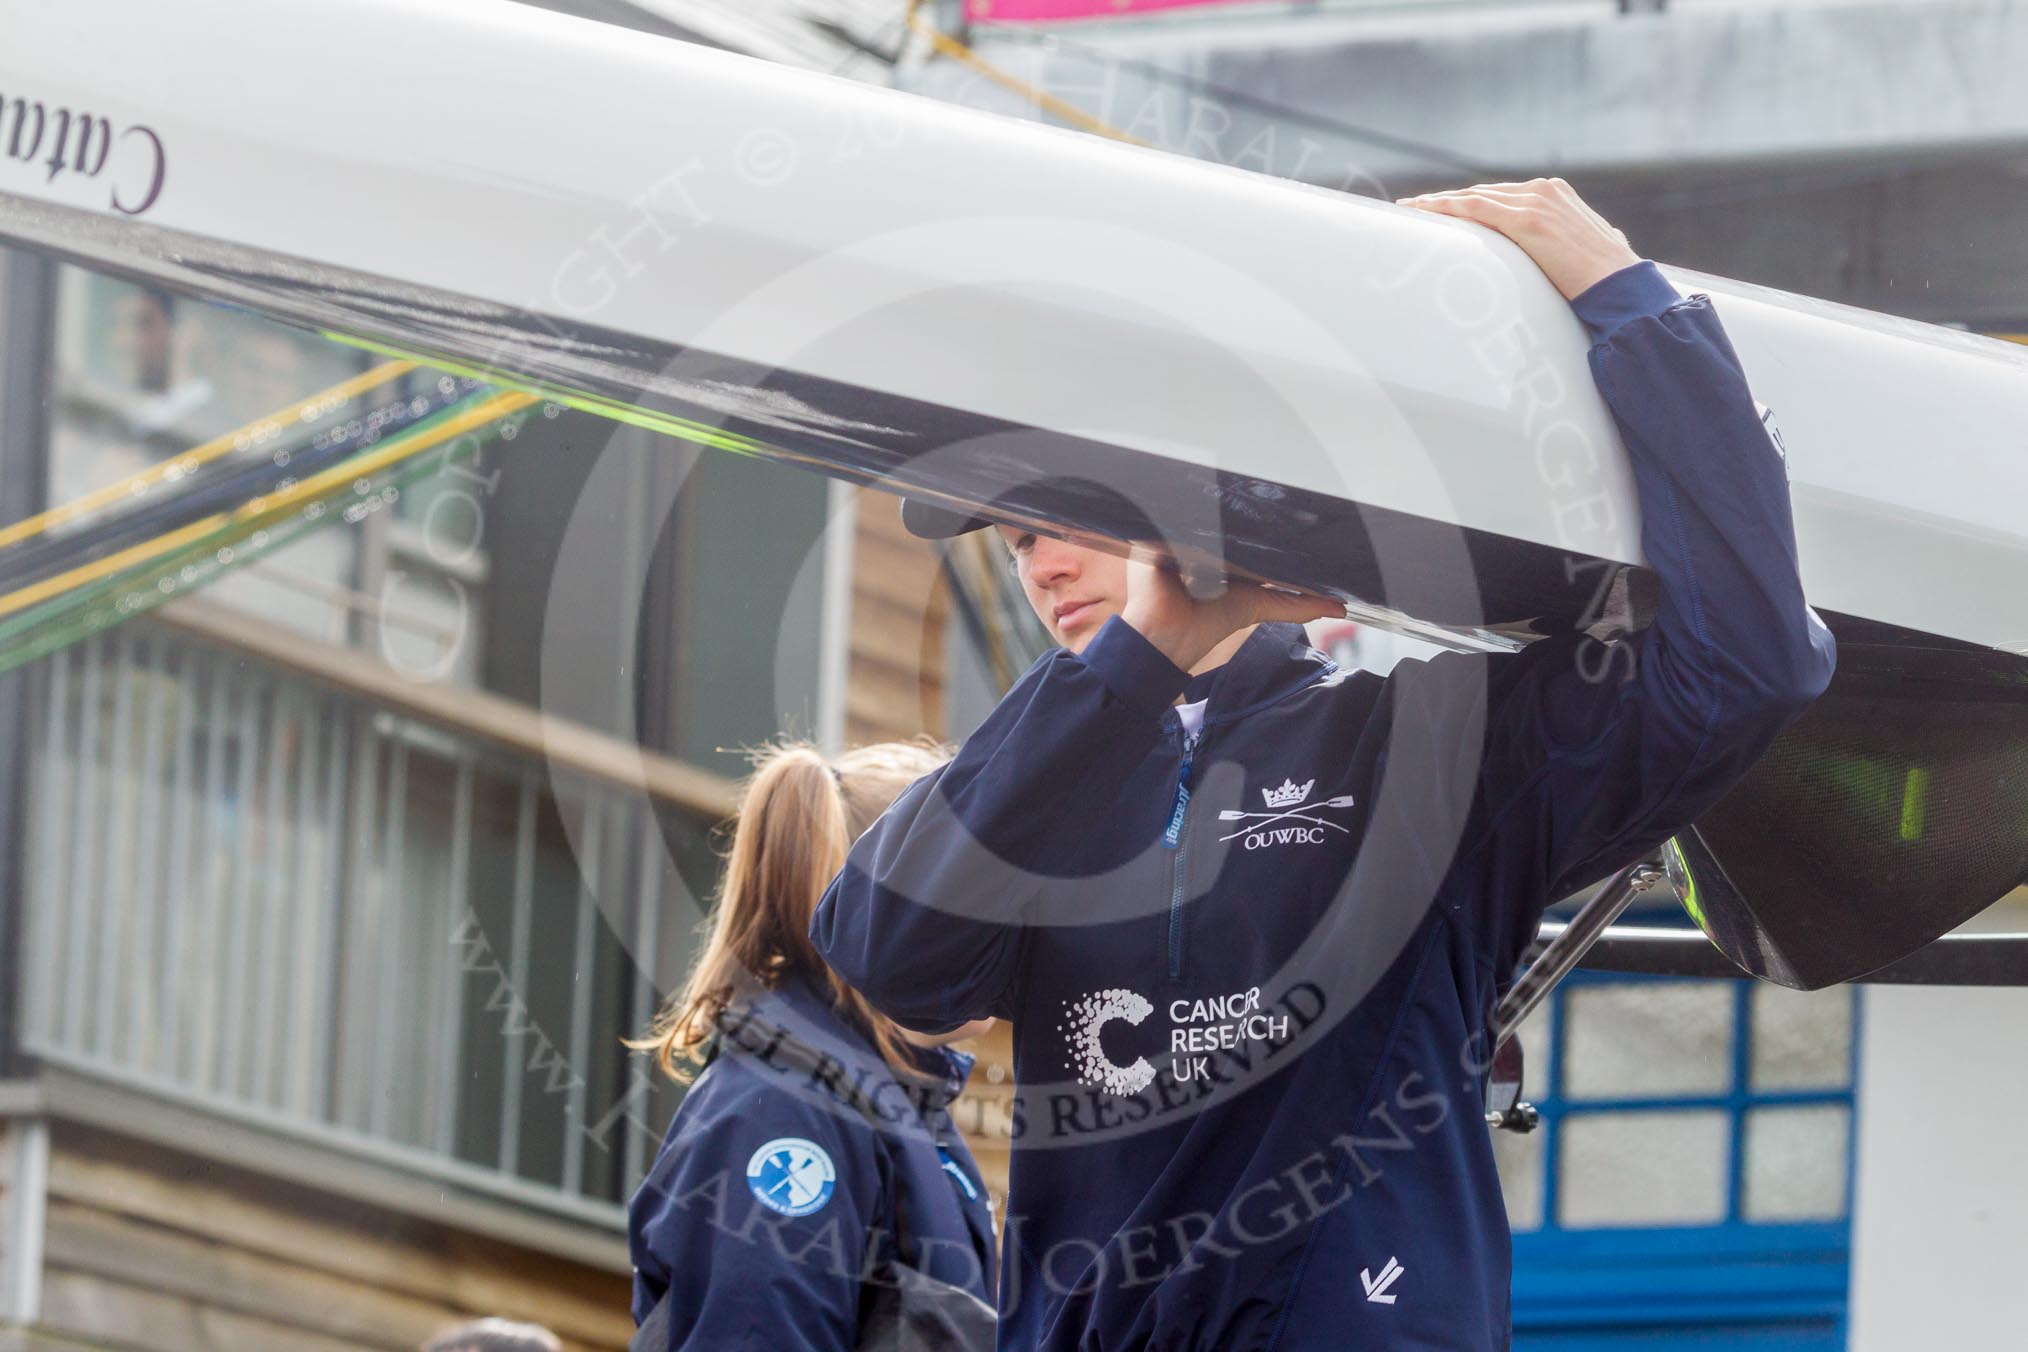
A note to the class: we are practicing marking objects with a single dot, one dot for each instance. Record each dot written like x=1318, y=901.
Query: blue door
x=1690, y=1184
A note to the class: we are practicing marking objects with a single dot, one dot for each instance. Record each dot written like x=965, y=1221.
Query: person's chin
x=1081, y=626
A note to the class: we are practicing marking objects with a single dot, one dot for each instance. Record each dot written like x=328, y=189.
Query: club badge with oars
x=1284, y=804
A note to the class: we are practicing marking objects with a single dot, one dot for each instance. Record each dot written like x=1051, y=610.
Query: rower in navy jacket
x=1250, y=914
x=815, y=1156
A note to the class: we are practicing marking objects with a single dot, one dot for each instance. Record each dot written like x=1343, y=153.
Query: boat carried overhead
x=1296, y=384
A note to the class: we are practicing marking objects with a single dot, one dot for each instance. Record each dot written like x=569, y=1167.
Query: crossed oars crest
x=1289, y=798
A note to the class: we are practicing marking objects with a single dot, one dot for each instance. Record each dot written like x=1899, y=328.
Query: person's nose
x=1051, y=562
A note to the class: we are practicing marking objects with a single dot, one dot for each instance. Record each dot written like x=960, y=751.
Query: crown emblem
x=1289, y=794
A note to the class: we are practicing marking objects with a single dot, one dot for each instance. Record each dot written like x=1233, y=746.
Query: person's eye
x=1025, y=543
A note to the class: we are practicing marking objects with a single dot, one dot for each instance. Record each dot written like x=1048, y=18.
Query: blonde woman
x=812, y=1192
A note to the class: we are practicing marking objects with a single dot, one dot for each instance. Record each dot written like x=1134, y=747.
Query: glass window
x=1661, y=1167
x=144, y=377
x=1648, y=1039
x=445, y=568
x=1538, y=1046
x=1520, y=1159
x=1642, y=1111
x=747, y=546
x=1801, y=1039
x=318, y=871
x=1796, y=1162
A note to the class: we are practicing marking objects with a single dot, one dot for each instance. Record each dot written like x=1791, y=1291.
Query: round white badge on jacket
x=791, y=1175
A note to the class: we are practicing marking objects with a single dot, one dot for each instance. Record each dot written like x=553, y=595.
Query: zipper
x=957, y=1171
x=1173, y=839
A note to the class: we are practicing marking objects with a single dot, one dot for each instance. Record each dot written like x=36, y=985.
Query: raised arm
x=926, y=917
x=1595, y=753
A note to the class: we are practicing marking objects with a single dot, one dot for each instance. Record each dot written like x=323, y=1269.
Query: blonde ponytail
x=799, y=815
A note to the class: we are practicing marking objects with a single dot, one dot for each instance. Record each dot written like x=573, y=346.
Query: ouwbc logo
x=1287, y=821
x=1084, y=1019
x=1288, y=795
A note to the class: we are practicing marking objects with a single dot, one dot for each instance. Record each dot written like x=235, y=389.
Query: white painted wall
x=1940, y=1215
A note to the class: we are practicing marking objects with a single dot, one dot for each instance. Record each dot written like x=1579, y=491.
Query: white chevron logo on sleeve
x=1376, y=1287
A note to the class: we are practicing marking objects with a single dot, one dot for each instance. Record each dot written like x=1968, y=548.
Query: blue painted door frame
x=1734, y=1284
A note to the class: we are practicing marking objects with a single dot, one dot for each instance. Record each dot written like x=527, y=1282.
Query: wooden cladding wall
x=984, y=1113
x=147, y=1248
x=896, y=688
x=895, y=678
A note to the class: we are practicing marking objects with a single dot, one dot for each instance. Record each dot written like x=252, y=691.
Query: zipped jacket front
x=1250, y=974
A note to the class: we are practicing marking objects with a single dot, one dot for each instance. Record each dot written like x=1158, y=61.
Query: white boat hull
x=1320, y=388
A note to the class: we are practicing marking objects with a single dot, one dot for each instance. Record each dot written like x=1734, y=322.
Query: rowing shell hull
x=1297, y=384
x=1323, y=389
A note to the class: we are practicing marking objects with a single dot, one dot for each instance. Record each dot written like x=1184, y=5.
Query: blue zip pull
x=1173, y=837
x=957, y=1171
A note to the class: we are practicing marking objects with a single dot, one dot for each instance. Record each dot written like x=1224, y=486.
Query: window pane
x=745, y=666
x=1520, y=1162
x=1520, y=1158
x=1648, y=1039
x=1801, y=1039
x=1538, y=1047
x=143, y=377
x=1643, y=1168
x=1795, y=1163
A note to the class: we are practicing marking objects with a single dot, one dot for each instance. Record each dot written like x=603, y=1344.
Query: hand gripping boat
x=1299, y=385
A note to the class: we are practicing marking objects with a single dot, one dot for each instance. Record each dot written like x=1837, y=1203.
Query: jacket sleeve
x=926, y=918
x=742, y=1272
x=1596, y=752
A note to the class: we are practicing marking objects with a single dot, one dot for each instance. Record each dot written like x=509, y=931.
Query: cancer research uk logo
x=1085, y=1019
x=791, y=1175
x=1287, y=820
x=1204, y=1025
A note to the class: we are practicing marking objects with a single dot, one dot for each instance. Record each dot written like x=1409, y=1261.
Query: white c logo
x=1085, y=1018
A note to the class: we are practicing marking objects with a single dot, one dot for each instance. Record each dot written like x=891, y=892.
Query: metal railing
x=280, y=897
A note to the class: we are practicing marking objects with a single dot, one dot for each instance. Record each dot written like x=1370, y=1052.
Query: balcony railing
x=373, y=913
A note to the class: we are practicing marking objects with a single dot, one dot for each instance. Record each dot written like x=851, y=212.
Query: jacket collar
x=798, y=1019
x=1275, y=661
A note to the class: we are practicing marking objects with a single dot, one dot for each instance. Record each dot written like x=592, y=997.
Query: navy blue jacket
x=774, y=1201
x=1250, y=978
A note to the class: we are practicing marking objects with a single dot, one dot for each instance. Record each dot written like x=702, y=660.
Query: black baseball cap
x=930, y=522
x=1100, y=510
